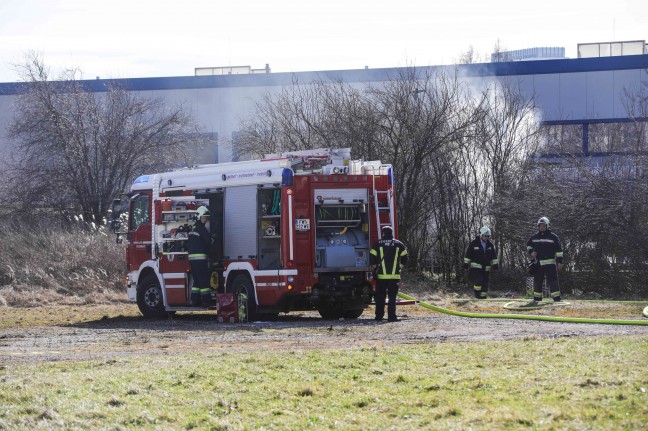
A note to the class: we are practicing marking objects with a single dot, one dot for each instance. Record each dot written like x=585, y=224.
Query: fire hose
x=526, y=316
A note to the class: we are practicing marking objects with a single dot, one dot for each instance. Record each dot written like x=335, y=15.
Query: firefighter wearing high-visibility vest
x=544, y=248
x=198, y=243
x=480, y=259
x=387, y=256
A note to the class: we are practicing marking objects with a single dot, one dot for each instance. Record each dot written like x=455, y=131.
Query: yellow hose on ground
x=526, y=316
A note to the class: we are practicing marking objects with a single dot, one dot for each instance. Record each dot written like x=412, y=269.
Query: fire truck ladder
x=384, y=204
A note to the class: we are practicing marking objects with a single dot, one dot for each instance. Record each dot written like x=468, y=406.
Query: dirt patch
x=59, y=333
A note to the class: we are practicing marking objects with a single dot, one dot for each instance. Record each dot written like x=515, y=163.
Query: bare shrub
x=79, y=146
x=49, y=261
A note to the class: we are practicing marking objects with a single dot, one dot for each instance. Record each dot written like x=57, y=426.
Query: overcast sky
x=147, y=38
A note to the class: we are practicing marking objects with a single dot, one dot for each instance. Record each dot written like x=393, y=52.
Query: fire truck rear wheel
x=352, y=314
x=329, y=313
x=243, y=285
x=149, y=298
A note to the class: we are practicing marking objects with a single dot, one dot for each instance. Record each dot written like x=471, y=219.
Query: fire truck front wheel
x=243, y=289
x=149, y=297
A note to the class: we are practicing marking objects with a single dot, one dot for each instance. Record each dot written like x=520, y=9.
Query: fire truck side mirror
x=116, y=209
x=116, y=218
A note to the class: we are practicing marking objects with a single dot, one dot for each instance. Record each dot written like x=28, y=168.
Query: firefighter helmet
x=202, y=211
x=544, y=220
x=387, y=232
x=485, y=231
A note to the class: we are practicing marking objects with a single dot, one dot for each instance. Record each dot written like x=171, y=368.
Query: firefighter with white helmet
x=198, y=243
x=545, y=251
x=480, y=259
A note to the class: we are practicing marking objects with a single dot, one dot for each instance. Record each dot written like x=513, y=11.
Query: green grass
x=567, y=383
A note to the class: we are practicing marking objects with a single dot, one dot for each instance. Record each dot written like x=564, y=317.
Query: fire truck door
x=139, y=231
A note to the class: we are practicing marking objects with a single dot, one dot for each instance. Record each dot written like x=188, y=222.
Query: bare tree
x=410, y=120
x=500, y=53
x=596, y=202
x=508, y=136
x=77, y=148
x=470, y=57
x=304, y=116
x=426, y=119
x=464, y=159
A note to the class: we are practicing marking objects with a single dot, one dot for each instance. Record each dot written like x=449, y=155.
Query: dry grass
x=53, y=263
x=49, y=262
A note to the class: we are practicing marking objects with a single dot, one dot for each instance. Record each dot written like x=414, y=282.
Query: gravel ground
x=100, y=332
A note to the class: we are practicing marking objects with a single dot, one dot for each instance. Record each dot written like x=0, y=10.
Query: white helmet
x=202, y=211
x=544, y=220
x=485, y=231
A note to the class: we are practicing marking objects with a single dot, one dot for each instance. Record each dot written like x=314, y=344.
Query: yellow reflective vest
x=387, y=257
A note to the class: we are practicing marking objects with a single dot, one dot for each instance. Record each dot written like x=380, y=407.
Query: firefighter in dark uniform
x=545, y=250
x=198, y=243
x=388, y=255
x=480, y=259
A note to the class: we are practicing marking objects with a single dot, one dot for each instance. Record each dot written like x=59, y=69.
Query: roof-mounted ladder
x=384, y=206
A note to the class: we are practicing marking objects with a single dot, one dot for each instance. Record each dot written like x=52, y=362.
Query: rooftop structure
x=229, y=70
x=612, y=49
x=527, y=54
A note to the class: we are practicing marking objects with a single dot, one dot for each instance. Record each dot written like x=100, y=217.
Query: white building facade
x=579, y=91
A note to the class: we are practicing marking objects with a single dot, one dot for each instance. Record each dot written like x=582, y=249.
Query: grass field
x=561, y=384
x=147, y=381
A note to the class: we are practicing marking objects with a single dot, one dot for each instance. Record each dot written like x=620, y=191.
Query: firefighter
x=545, y=250
x=388, y=255
x=480, y=259
x=198, y=244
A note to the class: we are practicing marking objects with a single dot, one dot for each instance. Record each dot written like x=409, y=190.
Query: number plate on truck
x=302, y=224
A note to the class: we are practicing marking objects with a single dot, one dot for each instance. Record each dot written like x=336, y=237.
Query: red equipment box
x=227, y=308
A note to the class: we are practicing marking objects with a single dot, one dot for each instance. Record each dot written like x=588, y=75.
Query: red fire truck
x=290, y=232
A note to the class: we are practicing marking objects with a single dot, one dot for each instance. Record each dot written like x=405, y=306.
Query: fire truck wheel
x=352, y=314
x=330, y=313
x=149, y=298
x=242, y=286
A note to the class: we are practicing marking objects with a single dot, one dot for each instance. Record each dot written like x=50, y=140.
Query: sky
x=151, y=38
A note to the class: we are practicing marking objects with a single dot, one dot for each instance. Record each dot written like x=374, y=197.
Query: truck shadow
x=207, y=321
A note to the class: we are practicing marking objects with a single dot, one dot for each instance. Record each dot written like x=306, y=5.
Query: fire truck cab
x=290, y=232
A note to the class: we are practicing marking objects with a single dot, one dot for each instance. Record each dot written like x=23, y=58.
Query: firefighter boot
x=478, y=291
x=195, y=297
x=555, y=290
x=205, y=297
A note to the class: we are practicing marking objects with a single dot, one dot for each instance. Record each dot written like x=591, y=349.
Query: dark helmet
x=387, y=231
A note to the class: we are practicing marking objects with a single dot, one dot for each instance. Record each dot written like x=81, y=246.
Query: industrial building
x=577, y=92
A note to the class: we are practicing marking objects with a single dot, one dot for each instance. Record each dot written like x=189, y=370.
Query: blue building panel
x=526, y=84
x=600, y=95
x=631, y=81
x=572, y=95
x=547, y=94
